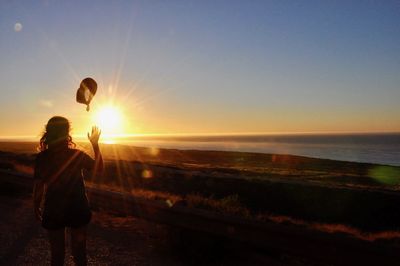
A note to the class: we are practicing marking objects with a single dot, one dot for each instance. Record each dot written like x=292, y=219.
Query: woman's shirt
x=62, y=172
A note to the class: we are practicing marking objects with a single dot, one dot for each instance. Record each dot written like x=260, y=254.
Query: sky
x=202, y=67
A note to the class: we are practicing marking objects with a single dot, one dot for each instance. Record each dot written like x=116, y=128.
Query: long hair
x=56, y=134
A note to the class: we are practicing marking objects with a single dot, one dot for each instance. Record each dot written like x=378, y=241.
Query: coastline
x=255, y=183
x=383, y=149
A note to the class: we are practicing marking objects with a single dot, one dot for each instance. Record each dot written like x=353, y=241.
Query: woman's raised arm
x=94, y=140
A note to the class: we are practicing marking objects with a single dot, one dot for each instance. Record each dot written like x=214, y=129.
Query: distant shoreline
x=381, y=149
x=309, y=189
x=214, y=137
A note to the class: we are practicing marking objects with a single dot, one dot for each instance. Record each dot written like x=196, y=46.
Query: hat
x=87, y=90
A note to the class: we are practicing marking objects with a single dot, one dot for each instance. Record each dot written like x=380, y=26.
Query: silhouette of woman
x=59, y=191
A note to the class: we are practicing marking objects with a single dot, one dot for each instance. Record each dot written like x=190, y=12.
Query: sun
x=110, y=120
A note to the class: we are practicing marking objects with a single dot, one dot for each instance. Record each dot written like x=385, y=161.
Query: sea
x=379, y=148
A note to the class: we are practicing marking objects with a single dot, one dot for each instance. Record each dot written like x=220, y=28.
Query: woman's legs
x=57, y=246
x=78, y=245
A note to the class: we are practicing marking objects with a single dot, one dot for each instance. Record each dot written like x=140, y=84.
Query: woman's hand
x=94, y=137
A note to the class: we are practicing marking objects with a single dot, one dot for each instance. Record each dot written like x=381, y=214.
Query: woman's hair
x=56, y=133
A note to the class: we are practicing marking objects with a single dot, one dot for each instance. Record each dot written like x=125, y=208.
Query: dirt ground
x=112, y=240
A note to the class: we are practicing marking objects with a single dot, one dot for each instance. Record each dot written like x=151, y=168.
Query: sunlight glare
x=111, y=122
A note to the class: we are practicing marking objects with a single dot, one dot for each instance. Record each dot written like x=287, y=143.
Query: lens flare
x=387, y=175
x=17, y=27
x=147, y=174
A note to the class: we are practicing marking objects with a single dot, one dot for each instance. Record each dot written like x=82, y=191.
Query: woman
x=59, y=191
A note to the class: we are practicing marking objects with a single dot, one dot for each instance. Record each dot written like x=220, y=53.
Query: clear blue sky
x=203, y=66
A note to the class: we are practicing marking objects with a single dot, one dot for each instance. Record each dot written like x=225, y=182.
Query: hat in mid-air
x=87, y=90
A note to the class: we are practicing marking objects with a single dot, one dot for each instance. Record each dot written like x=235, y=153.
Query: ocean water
x=368, y=148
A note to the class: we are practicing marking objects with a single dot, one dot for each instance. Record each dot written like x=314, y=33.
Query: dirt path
x=111, y=241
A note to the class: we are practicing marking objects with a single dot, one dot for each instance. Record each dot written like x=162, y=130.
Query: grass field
x=357, y=198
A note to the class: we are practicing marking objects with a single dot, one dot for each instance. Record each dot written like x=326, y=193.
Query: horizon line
x=121, y=136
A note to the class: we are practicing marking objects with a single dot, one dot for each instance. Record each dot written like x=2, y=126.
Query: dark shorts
x=58, y=219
